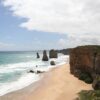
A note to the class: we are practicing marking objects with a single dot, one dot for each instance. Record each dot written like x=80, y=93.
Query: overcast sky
x=48, y=23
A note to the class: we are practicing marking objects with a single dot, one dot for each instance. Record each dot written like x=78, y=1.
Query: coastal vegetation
x=86, y=77
x=89, y=95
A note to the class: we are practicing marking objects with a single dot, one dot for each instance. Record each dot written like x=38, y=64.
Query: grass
x=89, y=95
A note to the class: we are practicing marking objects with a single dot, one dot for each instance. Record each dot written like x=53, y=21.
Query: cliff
x=85, y=64
x=64, y=51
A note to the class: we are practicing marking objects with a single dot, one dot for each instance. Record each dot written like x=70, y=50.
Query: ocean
x=14, y=68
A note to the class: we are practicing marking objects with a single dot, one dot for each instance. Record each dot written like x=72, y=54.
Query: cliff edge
x=85, y=64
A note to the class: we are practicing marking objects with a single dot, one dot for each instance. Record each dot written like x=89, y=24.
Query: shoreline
x=56, y=84
x=22, y=77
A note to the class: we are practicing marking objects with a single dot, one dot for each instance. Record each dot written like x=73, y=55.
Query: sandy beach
x=57, y=84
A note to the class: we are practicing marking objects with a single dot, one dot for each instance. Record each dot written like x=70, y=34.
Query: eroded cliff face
x=53, y=54
x=64, y=51
x=86, y=59
x=81, y=59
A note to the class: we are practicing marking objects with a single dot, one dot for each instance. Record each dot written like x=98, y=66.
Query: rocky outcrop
x=53, y=54
x=38, y=56
x=45, y=57
x=96, y=82
x=52, y=63
x=85, y=59
x=31, y=71
x=97, y=64
x=36, y=71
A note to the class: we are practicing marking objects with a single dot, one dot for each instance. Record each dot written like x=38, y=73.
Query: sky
x=47, y=24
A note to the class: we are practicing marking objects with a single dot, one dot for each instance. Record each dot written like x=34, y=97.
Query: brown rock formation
x=38, y=56
x=53, y=54
x=97, y=64
x=96, y=82
x=52, y=63
x=85, y=59
x=45, y=57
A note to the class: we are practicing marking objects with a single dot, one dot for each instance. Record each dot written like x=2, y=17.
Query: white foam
x=24, y=81
x=27, y=78
x=17, y=66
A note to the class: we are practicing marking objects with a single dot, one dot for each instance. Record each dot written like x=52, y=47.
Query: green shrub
x=89, y=95
x=86, y=78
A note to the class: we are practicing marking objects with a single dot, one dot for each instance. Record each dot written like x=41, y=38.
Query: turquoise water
x=9, y=63
x=16, y=57
x=14, y=67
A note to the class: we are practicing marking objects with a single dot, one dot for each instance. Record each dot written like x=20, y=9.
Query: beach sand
x=56, y=84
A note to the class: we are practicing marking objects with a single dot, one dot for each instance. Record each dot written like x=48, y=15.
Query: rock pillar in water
x=38, y=56
x=45, y=57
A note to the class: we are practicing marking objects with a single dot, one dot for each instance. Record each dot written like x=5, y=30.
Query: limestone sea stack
x=85, y=64
x=38, y=56
x=45, y=57
x=53, y=54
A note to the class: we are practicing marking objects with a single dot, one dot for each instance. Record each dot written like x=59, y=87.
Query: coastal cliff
x=85, y=64
x=64, y=51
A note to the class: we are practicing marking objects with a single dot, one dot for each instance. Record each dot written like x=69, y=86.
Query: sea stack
x=45, y=57
x=85, y=64
x=38, y=56
x=53, y=54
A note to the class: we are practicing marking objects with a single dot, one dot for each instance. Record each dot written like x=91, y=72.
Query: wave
x=26, y=78
x=24, y=81
x=17, y=66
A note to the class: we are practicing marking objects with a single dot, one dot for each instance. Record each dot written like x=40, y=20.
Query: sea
x=15, y=67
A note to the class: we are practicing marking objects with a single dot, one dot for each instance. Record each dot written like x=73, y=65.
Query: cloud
x=65, y=16
x=79, y=19
x=73, y=40
x=62, y=43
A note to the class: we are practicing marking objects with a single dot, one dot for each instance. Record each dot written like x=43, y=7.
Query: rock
x=96, y=83
x=52, y=63
x=80, y=59
x=38, y=56
x=36, y=72
x=36, y=66
x=85, y=59
x=45, y=57
x=97, y=64
x=39, y=72
x=31, y=71
x=53, y=54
